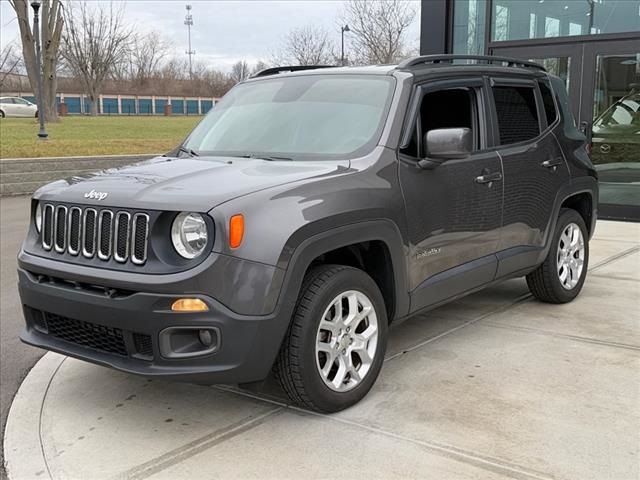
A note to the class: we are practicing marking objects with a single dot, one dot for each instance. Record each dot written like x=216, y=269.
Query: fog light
x=189, y=305
x=205, y=337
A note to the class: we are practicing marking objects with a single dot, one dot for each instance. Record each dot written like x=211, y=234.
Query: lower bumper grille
x=91, y=335
x=99, y=337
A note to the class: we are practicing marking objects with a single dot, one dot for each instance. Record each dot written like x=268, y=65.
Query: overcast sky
x=224, y=31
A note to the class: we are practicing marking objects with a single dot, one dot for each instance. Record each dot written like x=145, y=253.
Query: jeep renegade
x=310, y=209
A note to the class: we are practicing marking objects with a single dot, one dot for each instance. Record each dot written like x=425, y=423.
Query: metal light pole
x=343, y=29
x=36, y=32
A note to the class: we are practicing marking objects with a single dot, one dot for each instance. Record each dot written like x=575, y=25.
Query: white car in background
x=17, y=107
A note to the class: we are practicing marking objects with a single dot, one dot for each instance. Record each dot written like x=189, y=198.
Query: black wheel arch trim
x=371, y=230
x=575, y=187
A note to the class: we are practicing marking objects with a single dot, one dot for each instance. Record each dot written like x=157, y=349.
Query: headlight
x=38, y=217
x=189, y=234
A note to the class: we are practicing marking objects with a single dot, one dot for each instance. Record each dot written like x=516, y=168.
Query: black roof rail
x=511, y=62
x=289, y=68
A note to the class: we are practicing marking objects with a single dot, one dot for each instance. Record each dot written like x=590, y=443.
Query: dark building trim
x=435, y=34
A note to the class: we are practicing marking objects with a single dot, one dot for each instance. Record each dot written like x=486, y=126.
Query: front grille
x=104, y=234
x=98, y=337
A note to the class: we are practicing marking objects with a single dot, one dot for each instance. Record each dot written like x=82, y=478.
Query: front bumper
x=247, y=346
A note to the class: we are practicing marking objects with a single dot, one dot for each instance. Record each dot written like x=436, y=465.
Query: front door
x=454, y=210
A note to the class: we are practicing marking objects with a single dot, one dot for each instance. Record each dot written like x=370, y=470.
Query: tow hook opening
x=186, y=342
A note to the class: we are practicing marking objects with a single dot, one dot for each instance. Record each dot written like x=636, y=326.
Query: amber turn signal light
x=236, y=231
x=189, y=305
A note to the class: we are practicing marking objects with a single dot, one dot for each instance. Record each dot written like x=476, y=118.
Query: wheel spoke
x=563, y=274
x=338, y=380
x=365, y=358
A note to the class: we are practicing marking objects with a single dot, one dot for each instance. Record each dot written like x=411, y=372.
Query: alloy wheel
x=346, y=341
x=570, y=257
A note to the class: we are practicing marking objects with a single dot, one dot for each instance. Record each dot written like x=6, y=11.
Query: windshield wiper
x=268, y=158
x=188, y=151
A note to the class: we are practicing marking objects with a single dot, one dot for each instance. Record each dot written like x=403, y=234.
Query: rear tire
x=1, y=114
x=334, y=348
x=562, y=274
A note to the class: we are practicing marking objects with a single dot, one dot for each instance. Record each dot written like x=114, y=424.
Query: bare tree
x=9, y=63
x=51, y=25
x=259, y=66
x=378, y=28
x=95, y=40
x=240, y=71
x=146, y=53
x=306, y=46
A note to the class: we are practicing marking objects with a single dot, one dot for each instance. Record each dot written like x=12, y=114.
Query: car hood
x=192, y=184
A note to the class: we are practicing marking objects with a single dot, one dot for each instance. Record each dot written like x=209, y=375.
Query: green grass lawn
x=73, y=136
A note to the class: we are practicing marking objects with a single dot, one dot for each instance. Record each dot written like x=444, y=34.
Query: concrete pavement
x=495, y=385
x=15, y=358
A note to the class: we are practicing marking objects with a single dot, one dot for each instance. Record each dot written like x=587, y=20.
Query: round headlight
x=189, y=234
x=38, y=217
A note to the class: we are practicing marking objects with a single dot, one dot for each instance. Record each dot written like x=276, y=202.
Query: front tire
x=561, y=276
x=335, y=345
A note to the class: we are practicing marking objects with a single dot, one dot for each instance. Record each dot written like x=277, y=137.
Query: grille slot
x=75, y=216
x=121, y=250
x=98, y=337
x=89, y=232
x=60, y=228
x=121, y=237
x=47, y=227
x=105, y=234
x=140, y=235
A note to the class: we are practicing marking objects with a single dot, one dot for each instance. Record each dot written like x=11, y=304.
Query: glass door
x=611, y=108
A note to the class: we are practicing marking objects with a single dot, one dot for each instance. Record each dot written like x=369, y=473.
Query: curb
x=23, y=455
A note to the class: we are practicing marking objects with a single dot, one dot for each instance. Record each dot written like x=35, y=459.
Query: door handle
x=553, y=164
x=489, y=177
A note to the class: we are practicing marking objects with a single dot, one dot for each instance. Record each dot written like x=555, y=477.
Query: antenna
x=188, y=21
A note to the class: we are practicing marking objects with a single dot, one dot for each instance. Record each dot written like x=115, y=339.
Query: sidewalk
x=495, y=385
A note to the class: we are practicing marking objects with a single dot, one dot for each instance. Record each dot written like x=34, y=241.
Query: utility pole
x=188, y=21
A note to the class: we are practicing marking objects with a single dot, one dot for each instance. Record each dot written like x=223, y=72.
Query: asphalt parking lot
x=495, y=385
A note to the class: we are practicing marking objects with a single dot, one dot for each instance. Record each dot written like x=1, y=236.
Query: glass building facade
x=593, y=45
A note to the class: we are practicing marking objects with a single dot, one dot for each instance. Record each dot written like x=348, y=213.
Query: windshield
x=304, y=117
x=625, y=112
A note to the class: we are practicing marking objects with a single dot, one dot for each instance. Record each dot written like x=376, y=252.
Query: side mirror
x=444, y=144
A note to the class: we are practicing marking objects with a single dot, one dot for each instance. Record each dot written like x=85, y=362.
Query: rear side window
x=517, y=115
x=547, y=102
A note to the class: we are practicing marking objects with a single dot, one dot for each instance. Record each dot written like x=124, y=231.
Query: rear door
x=453, y=214
x=533, y=163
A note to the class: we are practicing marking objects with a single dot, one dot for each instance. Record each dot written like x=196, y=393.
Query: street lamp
x=35, y=4
x=343, y=29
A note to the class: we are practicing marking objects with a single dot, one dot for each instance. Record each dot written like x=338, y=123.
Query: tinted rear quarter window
x=517, y=115
x=547, y=102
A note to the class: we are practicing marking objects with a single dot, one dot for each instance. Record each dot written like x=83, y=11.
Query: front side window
x=516, y=112
x=300, y=117
x=449, y=108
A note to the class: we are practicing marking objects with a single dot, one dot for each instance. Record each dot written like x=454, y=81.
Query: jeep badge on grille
x=93, y=195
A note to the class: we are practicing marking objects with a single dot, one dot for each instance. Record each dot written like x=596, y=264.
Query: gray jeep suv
x=310, y=209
